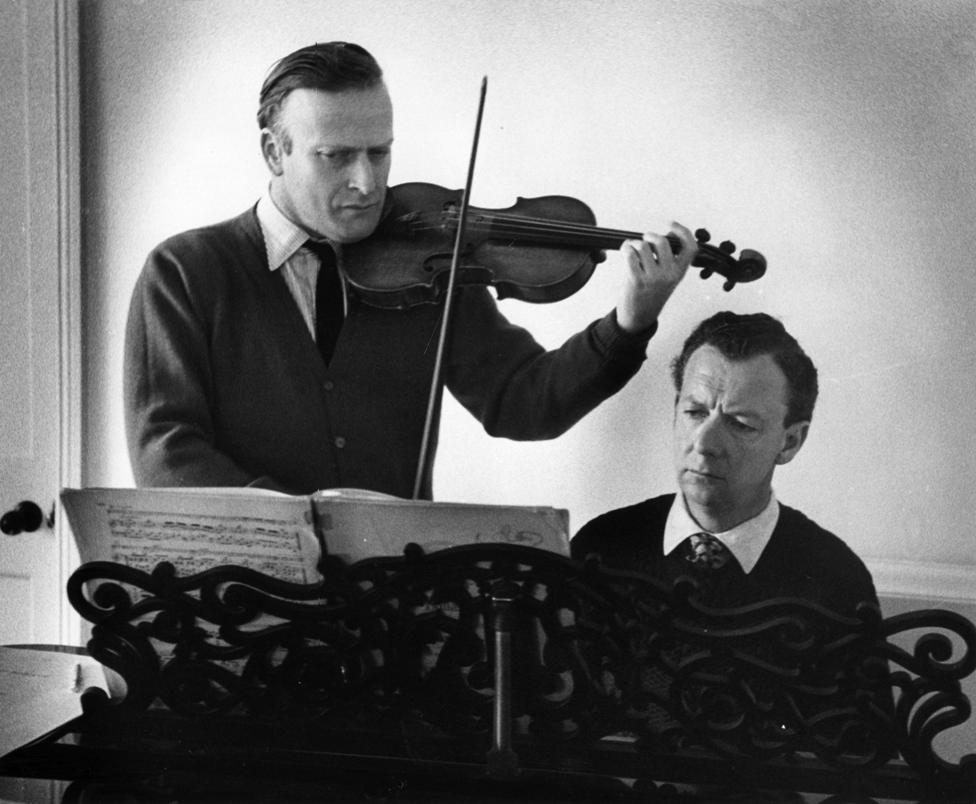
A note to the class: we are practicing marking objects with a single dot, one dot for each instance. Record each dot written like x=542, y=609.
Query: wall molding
x=928, y=580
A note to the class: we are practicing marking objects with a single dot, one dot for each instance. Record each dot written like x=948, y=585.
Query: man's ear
x=271, y=151
x=796, y=434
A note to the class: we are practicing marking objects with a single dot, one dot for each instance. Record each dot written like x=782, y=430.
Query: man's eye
x=379, y=155
x=743, y=427
x=336, y=157
x=695, y=413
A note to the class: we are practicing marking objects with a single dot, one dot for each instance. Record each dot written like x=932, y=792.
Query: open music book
x=282, y=535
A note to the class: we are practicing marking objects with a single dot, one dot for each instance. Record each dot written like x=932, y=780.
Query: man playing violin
x=242, y=368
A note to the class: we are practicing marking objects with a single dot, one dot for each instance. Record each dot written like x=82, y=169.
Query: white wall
x=835, y=137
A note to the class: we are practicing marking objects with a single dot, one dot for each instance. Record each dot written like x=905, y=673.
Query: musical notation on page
x=272, y=534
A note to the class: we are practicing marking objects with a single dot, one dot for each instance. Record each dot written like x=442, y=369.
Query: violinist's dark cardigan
x=224, y=385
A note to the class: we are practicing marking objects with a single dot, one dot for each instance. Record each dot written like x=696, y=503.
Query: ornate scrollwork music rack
x=515, y=663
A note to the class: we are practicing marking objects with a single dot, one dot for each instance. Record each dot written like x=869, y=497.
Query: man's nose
x=709, y=436
x=362, y=175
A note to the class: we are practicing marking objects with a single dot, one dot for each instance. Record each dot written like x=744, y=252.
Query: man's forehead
x=756, y=382
x=347, y=117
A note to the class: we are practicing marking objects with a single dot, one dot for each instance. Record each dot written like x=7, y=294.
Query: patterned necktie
x=704, y=551
x=328, y=299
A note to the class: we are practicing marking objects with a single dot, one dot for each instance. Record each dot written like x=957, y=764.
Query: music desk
x=498, y=673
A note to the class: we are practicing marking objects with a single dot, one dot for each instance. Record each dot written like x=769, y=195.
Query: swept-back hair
x=329, y=66
x=740, y=337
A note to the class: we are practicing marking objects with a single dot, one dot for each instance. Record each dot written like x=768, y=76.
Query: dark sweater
x=801, y=559
x=224, y=385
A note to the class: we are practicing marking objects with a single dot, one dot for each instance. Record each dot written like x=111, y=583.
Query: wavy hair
x=741, y=337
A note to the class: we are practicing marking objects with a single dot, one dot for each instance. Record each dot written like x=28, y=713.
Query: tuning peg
x=702, y=235
x=727, y=247
x=728, y=285
x=706, y=272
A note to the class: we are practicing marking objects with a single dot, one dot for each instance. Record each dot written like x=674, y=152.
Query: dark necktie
x=704, y=551
x=328, y=299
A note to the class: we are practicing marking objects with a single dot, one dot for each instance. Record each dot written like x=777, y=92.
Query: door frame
x=64, y=41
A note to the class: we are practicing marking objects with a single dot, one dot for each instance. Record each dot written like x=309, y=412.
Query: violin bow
x=436, y=385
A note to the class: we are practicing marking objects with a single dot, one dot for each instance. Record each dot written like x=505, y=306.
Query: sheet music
x=355, y=529
x=194, y=531
x=281, y=535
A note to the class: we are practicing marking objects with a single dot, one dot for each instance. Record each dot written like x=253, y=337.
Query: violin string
x=555, y=232
x=528, y=224
x=520, y=222
x=516, y=225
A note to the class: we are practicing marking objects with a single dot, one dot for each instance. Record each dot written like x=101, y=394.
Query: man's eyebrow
x=745, y=413
x=343, y=147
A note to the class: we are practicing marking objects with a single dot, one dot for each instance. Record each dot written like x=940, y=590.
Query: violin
x=538, y=250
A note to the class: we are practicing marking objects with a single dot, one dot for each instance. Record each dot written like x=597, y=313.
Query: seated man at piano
x=745, y=391
x=744, y=397
x=251, y=359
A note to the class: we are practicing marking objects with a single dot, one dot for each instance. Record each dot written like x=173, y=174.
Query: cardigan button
x=340, y=442
x=328, y=385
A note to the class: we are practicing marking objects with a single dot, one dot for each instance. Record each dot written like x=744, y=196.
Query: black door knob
x=27, y=516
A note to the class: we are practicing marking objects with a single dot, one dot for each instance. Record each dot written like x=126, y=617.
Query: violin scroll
x=719, y=260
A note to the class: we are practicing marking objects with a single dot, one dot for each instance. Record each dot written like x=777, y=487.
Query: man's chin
x=702, y=491
x=355, y=231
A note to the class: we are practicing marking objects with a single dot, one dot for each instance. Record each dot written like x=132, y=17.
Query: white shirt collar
x=745, y=541
x=282, y=238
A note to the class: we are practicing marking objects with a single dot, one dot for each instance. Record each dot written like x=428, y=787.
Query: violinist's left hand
x=654, y=272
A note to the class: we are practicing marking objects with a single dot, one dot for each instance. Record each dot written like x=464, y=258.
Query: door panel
x=36, y=251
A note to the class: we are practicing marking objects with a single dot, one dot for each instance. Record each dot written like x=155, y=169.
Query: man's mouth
x=703, y=474
x=358, y=208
